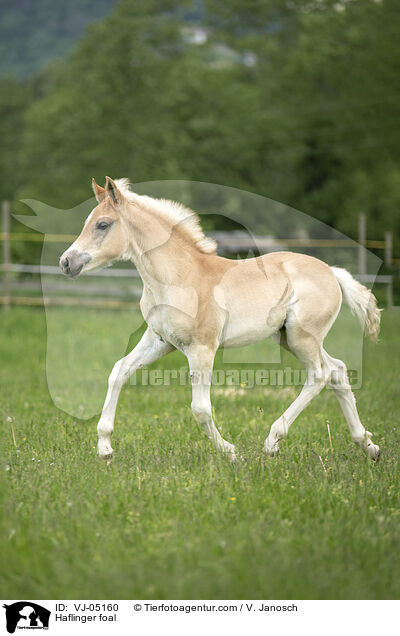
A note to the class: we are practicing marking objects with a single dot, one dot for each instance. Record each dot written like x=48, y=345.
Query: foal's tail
x=361, y=301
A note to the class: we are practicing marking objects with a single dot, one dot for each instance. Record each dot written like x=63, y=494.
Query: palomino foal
x=195, y=301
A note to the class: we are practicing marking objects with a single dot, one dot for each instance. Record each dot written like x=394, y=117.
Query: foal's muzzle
x=72, y=262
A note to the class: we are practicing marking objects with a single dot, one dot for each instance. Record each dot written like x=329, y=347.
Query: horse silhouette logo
x=92, y=355
x=26, y=615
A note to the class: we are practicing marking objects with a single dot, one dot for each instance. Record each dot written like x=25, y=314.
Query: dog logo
x=26, y=615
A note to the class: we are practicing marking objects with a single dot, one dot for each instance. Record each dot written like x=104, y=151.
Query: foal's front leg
x=201, y=359
x=149, y=349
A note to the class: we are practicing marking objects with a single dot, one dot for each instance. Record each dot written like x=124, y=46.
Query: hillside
x=34, y=32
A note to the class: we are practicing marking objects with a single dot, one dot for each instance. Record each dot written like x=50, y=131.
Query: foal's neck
x=160, y=250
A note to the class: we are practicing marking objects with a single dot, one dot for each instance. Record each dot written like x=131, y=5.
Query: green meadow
x=170, y=518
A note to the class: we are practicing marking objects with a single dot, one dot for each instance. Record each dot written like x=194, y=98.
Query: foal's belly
x=249, y=330
x=253, y=307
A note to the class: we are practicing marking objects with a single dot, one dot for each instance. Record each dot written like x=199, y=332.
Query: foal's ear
x=99, y=192
x=112, y=189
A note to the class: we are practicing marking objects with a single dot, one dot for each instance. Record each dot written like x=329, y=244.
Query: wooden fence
x=228, y=243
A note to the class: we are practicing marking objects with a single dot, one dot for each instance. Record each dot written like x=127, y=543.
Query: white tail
x=361, y=301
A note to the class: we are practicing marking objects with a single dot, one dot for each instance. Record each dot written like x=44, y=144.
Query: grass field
x=170, y=518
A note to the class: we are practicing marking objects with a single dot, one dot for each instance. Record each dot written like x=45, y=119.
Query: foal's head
x=103, y=238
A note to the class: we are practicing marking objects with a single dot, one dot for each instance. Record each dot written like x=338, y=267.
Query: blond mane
x=173, y=212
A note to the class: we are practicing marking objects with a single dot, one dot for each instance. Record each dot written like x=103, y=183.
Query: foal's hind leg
x=149, y=349
x=316, y=380
x=341, y=386
x=201, y=360
x=307, y=349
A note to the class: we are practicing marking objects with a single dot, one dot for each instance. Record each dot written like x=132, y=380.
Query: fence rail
x=53, y=269
x=228, y=243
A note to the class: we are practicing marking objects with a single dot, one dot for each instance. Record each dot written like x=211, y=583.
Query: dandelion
x=233, y=498
x=9, y=419
x=7, y=467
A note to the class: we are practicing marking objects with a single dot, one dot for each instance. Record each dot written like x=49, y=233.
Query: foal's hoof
x=236, y=459
x=374, y=452
x=271, y=452
x=229, y=451
x=104, y=449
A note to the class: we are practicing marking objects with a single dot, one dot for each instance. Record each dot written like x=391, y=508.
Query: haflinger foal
x=196, y=301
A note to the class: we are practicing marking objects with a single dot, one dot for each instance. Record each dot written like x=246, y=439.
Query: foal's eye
x=102, y=225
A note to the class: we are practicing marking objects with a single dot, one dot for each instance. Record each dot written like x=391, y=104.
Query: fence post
x=5, y=208
x=362, y=239
x=389, y=263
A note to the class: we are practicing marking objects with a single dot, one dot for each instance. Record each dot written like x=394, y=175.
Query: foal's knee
x=119, y=373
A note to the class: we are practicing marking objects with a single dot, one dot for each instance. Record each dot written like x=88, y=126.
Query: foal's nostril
x=65, y=264
x=73, y=262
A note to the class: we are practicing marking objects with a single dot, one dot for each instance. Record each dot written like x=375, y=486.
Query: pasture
x=170, y=517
